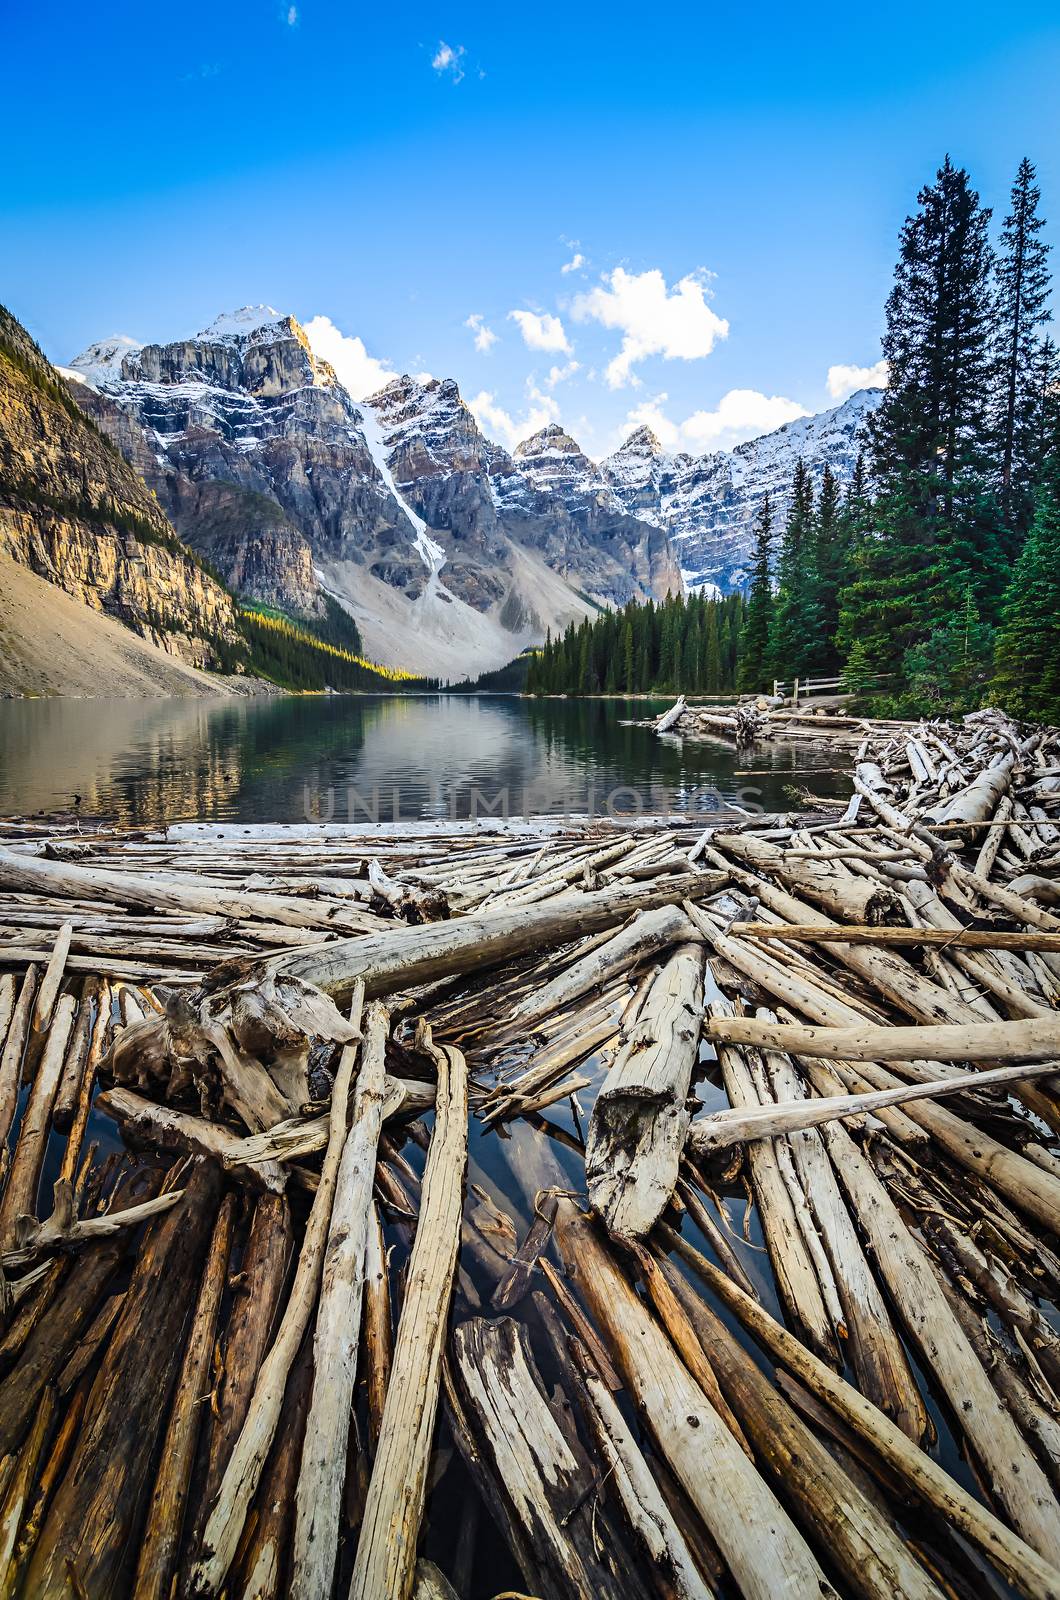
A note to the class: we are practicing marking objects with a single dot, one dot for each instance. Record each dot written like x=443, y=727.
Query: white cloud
x=843, y=380
x=447, y=59
x=575, y=264
x=292, y=16
x=740, y=414
x=500, y=424
x=485, y=337
x=675, y=323
x=560, y=374
x=361, y=373
x=541, y=332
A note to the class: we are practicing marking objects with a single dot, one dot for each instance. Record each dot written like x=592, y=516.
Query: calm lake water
x=344, y=758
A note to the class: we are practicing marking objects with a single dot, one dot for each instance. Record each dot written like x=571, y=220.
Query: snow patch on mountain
x=247, y=320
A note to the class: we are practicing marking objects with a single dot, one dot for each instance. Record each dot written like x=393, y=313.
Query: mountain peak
x=642, y=442
x=238, y=324
x=551, y=439
x=103, y=358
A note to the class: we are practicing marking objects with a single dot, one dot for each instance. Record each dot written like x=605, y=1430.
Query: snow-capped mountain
x=707, y=503
x=450, y=556
x=450, y=552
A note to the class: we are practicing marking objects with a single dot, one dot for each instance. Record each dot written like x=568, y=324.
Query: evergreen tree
x=754, y=639
x=1027, y=656
x=794, y=638
x=627, y=654
x=935, y=526
x=832, y=538
x=1021, y=310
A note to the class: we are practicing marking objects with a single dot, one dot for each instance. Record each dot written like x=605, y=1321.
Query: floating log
x=14, y=1048
x=963, y=938
x=540, y=1486
x=734, y=1501
x=20, y=1194
x=1031, y=1040
x=1031, y=1574
x=669, y=718
x=323, y=1469
x=98, y=1508
x=160, y=1547
x=386, y=1549
x=242, y=1473
x=640, y=1118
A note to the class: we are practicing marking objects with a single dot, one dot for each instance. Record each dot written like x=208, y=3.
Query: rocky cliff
x=73, y=511
x=708, y=503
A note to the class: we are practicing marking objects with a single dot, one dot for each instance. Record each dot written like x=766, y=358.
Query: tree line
x=932, y=582
x=680, y=645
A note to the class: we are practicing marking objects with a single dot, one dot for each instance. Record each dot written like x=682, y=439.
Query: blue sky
x=730, y=180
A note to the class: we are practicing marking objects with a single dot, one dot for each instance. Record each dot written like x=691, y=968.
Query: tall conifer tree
x=754, y=638
x=1022, y=309
x=936, y=527
x=1027, y=651
x=794, y=640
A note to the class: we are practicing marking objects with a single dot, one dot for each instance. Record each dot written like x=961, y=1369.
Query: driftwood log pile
x=766, y=718
x=548, y=1211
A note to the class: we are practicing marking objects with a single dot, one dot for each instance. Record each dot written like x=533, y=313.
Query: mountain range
x=451, y=552
x=131, y=477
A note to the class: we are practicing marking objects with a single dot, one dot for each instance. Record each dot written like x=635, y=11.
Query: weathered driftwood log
x=96, y=1515
x=52, y=979
x=242, y=1474
x=14, y=1048
x=845, y=1523
x=540, y=1486
x=412, y=956
x=722, y=1129
x=378, y=1333
x=167, y=889
x=1031, y=1574
x=20, y=1194
x=964, y=938
x=8, y=992
x=734, y=1501
x=644, y=1505
x=81, y=1106
x=386, y=1549
x=263, y=1564
x=318, y=1499
x=143, y=1120
x=824, y=882
x=649, y=933
x=640, y=1118
x=1012, y=1472
x=256, y=1299
x=675, y=713
x=160, y=1548
x=783, y=1229
x=1030, y=1040
x=979, y=799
